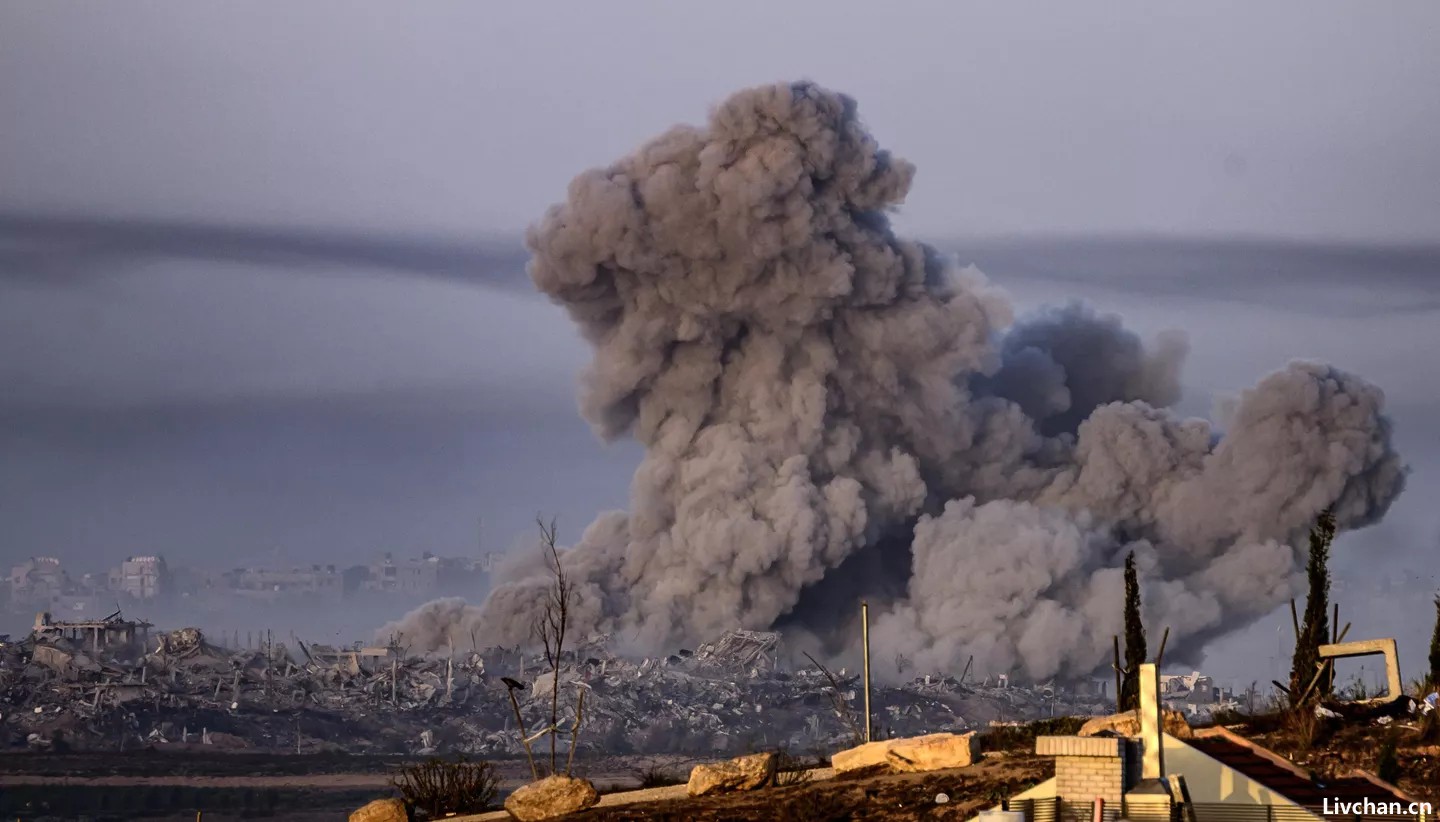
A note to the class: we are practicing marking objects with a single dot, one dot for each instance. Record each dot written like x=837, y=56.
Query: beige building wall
x=1207, y=779
x=1210, y=780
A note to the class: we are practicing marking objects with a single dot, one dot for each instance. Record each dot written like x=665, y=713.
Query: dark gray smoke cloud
x=809, y=388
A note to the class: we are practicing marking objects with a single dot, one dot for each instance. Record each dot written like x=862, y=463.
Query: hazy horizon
x=442, y=451
x=262, y=285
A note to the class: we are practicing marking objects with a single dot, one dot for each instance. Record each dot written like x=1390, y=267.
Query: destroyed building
x=141, y=578
x=38, y=580
x=355, y=659
x=111, y=633
x=732, y=694
x=753, y=650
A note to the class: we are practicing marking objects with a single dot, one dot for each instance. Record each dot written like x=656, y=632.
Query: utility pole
x=865, y=640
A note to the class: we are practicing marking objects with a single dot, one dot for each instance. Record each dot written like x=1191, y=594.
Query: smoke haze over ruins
x=806, y=384
x=263, y=295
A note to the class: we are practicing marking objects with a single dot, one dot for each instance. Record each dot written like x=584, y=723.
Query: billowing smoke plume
x=829, y=410
x=439, y=625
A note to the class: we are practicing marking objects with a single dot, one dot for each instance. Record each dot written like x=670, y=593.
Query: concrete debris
x=1369, y=711
x=1127, y=724
x=178, y=690
x=739, y=651
x=551, y=798
x=743, y=773
x=382, y=810
x=932, y=752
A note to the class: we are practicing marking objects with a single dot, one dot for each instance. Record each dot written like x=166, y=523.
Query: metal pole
x=1119, y=684
x=865, y=638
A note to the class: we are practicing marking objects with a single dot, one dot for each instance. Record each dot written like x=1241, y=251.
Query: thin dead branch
x=554, y=621
x=837, y=699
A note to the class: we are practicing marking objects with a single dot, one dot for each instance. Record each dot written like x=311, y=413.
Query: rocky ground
x=858, y=797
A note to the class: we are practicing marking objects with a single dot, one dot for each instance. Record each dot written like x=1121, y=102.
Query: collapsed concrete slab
x=551, y=798
x=740, y=651
x=382, y=810
x=744, y=773
x=1371, y=647
x=1127, y=723
x=932, y=752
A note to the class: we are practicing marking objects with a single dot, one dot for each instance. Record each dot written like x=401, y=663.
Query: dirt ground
x=859, y=797
x=174, y=782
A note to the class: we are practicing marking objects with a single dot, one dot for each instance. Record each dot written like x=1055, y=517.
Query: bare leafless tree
x=554, y=620
x=843, y=711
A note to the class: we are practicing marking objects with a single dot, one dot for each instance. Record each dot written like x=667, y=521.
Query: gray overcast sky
x=245, y=303
x=1314, y=119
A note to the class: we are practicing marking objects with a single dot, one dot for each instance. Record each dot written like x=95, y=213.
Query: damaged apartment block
x=108, y=634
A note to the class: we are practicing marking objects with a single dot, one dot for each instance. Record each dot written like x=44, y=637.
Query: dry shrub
x=655, y=776
x=438, y=787
x=1302, y=725
x=1022, y=737
x=1265, y=722
x=789, y=770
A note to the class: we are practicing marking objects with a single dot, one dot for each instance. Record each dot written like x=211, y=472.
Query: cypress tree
x=1134, y=639
x=1315, y=629
x=1435, y=648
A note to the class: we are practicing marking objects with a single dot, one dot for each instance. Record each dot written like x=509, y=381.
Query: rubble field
x=177, y=691
x=304, y=729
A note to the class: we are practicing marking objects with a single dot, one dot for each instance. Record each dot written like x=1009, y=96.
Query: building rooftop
x=1288, y=780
